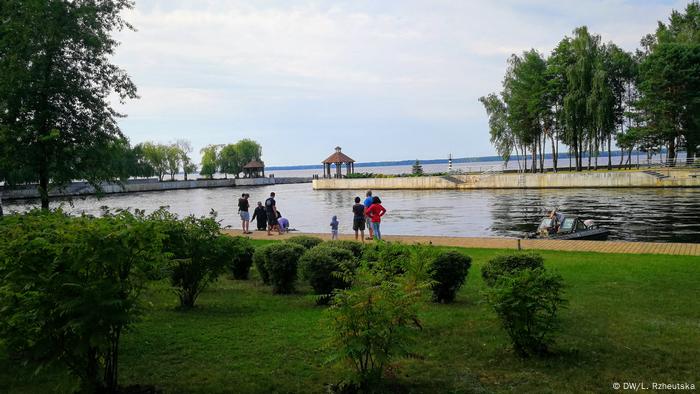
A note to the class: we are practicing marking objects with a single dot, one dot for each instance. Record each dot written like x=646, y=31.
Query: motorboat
x=570, y=228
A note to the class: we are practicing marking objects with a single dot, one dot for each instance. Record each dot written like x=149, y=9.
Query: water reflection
x=666, y=215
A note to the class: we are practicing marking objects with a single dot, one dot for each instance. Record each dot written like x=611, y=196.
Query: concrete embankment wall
x=662, y=178
x=144, y=185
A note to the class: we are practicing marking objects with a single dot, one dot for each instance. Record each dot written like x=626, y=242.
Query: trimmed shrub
x=306, y=241
x=356, y=248
x=390, y=257
x=282, y=260
x=509, y=263
x=238, y=252
x=260, y=257
x=449, y=272
x=322, y=266
x=527, y=301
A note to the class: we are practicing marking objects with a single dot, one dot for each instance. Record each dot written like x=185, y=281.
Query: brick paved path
x=687, y=249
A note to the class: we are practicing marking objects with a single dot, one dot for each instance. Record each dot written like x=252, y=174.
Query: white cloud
x=288, y=65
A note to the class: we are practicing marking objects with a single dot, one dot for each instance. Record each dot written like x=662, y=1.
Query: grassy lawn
x=631, y=318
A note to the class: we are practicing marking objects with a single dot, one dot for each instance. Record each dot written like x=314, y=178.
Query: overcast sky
x=386, y=80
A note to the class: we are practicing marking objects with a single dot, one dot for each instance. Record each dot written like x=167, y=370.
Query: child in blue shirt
x=334, y=227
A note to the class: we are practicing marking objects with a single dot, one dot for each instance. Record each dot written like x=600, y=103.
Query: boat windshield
x=567, y=225
x=546, y=223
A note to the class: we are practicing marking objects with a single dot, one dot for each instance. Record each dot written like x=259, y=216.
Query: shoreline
x=81, y=189
x=620, y=247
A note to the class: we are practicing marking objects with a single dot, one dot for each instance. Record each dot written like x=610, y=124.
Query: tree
x=558, y=64
x=501, y=135
x=173, y=157
x=230, y=160
x=528, y=112
x=580, y=125
x=188, y=166
x=140, y=166
x=56, y=80
x=156, y=156
x=210, y=161
x=248, y=150
x=417, y=168
x=670, y=80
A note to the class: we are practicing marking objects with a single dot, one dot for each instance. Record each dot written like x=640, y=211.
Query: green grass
x=630, y=318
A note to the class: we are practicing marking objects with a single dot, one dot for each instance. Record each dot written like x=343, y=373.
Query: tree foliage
x=588, y=93
x=56, y=80
x=198, y=252
x=70, y=286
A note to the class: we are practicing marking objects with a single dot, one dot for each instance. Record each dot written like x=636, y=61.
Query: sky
x=385, y=80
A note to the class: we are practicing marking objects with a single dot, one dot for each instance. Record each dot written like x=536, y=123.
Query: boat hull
x=597, y=234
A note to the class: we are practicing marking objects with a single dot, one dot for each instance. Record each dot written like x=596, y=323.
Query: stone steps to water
x=656, y=174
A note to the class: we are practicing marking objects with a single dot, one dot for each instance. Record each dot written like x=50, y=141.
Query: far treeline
x=149, y=159
x=588, y=93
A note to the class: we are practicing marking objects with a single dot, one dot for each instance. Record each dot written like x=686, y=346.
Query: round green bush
x=238, y=252
x=356, y=248
x=321, y=265
x=260, y=257
x=449, y=272
x=390, y=257
x=306, y=241
x=509, y=263
x=281, y=262
x=527, y=302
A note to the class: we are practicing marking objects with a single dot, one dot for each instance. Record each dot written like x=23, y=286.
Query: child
x=334, y=228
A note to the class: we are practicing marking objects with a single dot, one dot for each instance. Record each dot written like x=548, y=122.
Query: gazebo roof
x=254, y=164
x=338, y=157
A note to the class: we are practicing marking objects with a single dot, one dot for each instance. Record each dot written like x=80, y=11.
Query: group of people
x=268, y=216
x=367, y=214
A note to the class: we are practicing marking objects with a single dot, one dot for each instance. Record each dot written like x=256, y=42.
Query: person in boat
x=558, y=219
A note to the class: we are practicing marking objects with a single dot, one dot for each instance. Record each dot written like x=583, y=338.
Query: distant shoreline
x=460, y=160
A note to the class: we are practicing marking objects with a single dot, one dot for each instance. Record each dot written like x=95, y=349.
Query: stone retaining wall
x=662, y=178
x=143, y=185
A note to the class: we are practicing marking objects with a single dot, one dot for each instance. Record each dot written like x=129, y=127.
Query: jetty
x=650, y=178
x=143, y=185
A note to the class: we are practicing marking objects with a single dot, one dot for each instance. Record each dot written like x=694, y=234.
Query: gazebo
x=338, y=158
x=254, y=169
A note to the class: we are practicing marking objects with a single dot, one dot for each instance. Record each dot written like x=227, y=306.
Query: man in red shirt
x=375, y=213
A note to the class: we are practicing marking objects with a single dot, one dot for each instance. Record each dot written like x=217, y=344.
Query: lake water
x=659, y=215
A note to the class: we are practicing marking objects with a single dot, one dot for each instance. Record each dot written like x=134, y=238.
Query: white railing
x=479, y=170
x=678, y=162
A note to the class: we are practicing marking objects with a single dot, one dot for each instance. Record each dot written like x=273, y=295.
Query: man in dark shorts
x=358, y=220
x=271, y=211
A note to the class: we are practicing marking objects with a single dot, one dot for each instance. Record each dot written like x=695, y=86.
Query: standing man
x=368, y=221
x=243, y=206
x=358, y=219
x=271, y=211
x=260, y=214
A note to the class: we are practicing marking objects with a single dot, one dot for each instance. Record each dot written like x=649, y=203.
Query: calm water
x=665, y=215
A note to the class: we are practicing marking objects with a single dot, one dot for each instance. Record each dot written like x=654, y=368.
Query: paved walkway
x=686, y=249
